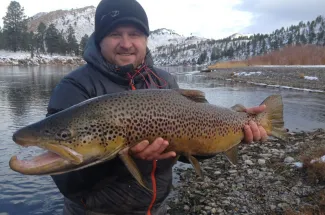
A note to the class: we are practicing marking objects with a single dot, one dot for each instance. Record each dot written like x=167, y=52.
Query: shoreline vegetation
x=289, y=55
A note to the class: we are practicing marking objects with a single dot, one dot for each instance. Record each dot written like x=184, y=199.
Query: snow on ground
x=310, y=78
x=247, y=73
x=25, y=55
x=294, y=66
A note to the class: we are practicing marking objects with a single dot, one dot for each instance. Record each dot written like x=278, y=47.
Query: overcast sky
x=207, y=18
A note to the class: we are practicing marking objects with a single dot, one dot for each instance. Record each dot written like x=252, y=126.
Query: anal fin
x=232, y=155
x=196, y=165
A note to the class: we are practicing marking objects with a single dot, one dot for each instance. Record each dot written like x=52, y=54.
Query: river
x=24, y=94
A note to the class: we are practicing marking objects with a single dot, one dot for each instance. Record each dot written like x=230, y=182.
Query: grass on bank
x=289, y=55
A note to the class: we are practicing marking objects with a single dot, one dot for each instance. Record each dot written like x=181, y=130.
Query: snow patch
x=310, y=78
x=247, y=73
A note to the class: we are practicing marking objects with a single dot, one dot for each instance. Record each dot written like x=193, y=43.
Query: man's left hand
x=254, y=132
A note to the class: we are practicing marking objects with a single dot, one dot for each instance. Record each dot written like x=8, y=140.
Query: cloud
x=271, y=15
x=208, y=18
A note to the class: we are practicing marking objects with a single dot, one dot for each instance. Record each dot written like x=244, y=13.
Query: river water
x=24, y=94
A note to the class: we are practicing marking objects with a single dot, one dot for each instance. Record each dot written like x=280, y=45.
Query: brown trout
x=98, y=129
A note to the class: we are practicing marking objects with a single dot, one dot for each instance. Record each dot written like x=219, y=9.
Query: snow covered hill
x=170, y=48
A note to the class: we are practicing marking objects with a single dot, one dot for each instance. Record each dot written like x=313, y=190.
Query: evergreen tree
x=312, y=34
x=14, y=26
x=40, y=38
x=303, y=39
x=32, y=40
x=52, y=39
x=83, y=43
x=72, y=42
x=202, y=57
x=1, y=39
x=63, y=44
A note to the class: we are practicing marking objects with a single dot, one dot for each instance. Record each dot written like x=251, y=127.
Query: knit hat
x=110, y=13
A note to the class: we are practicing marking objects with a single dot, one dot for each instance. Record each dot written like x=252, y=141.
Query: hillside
x=82, y=20
x=170, y=48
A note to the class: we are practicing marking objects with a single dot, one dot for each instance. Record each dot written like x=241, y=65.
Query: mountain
x=82, y=20
x=170, y=48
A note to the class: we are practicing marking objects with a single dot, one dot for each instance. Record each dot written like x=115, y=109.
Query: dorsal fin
x=194, y=95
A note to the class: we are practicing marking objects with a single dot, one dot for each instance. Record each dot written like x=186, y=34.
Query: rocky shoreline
x=41, y=60
x=265, y=181
x=275, y=76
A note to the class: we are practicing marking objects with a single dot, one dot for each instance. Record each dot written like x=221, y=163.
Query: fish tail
x=272, y=118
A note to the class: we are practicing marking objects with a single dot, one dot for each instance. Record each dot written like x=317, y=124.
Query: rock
x=261, y=161
x=186, y=208
x=217, y=173
x=289, y=160
x=249, y=162
x=232, y=171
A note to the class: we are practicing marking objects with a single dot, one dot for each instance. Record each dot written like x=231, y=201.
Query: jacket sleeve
x=67, y=93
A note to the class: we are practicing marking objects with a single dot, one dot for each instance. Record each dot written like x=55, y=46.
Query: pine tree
x=32, y=40
x=40, y=38
x=52, y=39
x=1, y=39
x=312, y=34
x=72, y=42
x=83, y=43
x=63, y=44
x=202, y=57
x=321, y=36
x=14, y=26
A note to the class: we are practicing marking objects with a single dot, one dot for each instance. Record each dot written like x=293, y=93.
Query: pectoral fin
x=232, y=155
x=196, y=165
x=132, y=167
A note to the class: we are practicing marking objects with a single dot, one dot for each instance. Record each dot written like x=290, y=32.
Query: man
x=117, y=60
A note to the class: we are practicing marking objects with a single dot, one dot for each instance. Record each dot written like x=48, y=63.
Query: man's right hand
x=153, y=151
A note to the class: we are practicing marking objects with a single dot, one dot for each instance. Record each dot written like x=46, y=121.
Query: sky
x=207, y=18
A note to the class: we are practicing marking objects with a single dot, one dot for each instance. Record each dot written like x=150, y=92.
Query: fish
x=102, y=128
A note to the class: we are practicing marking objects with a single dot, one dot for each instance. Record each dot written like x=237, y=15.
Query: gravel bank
x=296, y=77
x=265, y=181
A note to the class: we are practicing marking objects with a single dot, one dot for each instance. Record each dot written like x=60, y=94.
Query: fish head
x=73, y=141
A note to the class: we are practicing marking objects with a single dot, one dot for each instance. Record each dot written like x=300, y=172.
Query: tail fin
x=272, y=118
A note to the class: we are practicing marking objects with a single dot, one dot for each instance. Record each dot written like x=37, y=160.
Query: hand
x=254, y=132
x=153, y=151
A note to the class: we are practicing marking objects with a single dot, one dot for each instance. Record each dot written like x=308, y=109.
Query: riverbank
x=267, y=180
x=308, y=78
x=25, y=59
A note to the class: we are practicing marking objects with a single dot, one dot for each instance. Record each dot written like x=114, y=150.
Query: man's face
x=124, y=45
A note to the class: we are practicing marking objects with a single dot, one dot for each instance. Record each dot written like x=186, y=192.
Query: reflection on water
x=24, y=94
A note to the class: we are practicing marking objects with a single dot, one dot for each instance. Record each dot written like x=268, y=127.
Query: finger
x=155, y=152
x=255, y=131
x=139, y=147
x=263, y=133
x=162, y=147
x=248, y=135
x=255, y=110
x=166, y=155
x=150, y=150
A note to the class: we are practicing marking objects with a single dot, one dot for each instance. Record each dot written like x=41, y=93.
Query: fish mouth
x=56, y=159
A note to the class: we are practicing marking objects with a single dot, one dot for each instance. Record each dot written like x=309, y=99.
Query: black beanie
x=109, y=13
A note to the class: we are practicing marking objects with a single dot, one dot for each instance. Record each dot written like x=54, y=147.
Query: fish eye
x=63, y=135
